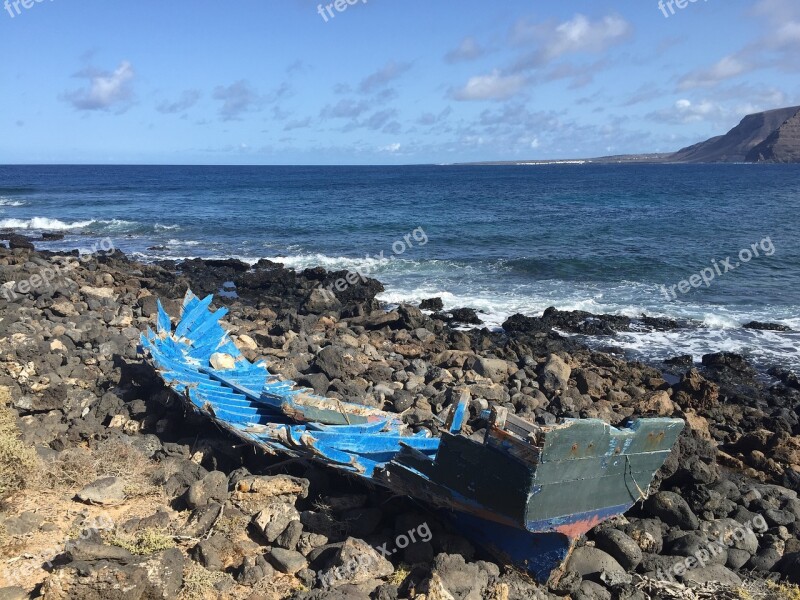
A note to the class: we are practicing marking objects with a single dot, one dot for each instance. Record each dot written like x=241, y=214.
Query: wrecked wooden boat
x=524, y=492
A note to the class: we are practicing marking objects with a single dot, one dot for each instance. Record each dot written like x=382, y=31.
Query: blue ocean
x=623, y=239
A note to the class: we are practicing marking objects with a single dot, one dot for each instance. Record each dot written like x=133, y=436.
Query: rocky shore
x=112, y=489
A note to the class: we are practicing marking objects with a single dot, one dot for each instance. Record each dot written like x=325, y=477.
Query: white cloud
x=727, y=68
x=685, y=111
x=493, y=86
x=105, y=90
x=391, y=148
x=579, y=34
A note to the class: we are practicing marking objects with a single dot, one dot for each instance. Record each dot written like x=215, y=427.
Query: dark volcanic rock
x=519, y=323
x=766, y=326
x=20, y=241
x=727, y=360
x=672, y=509
x=620, y=546
x=434, y=304
x=789, y=566
x=154, y=577
x=684, y=360
x=465, y=315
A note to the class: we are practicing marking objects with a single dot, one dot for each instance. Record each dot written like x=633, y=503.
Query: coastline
x=72, y=375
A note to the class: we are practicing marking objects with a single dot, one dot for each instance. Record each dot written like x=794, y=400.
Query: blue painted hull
x=524, y=493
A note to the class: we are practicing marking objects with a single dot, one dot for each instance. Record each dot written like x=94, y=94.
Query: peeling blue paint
x=525, y=492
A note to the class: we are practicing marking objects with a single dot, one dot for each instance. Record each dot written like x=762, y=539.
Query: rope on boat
x=642, y=494
x=341, y=410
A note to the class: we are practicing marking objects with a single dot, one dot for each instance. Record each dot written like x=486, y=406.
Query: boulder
x=789, y=567
x=463, y=581
x=222, y=362
x=624, y=549
x=591, y=383
x=555, y=374
x=354, y=562
x=287, y=561
x=211, y=488
x=273, y=519
x=339, y=363
x=588, y=561
x=154, y=577
x=672, y=509
x=13, y=593
x=492, y=368
x=104, y=491
x=434, y=304
x=254, y=569
x=712, y=574
x=19, y=241
x=321, y=301
x=656, y=403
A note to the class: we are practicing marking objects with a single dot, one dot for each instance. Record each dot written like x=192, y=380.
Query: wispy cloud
x=493, y=86
x=345, y=109
x=187, y=99
x=468, y=49
x=383, y=76
x=726, y=68
x=297, y=124
x=645, y=92
x=237, y=99
x=105, y=90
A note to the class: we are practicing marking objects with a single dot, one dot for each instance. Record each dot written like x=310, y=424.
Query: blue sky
x=384, y=81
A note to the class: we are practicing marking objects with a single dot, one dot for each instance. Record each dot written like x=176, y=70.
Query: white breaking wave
x=370, y=266
x=9, y=202
x=43, y=224
x=150, y=256
x=717, y=328
x=161, y=227
x=115, y=223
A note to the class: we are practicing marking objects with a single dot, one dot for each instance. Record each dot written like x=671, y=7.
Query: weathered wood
x=526, y=491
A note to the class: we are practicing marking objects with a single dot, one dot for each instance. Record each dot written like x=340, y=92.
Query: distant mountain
x=771, y=136
x=782, y=145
